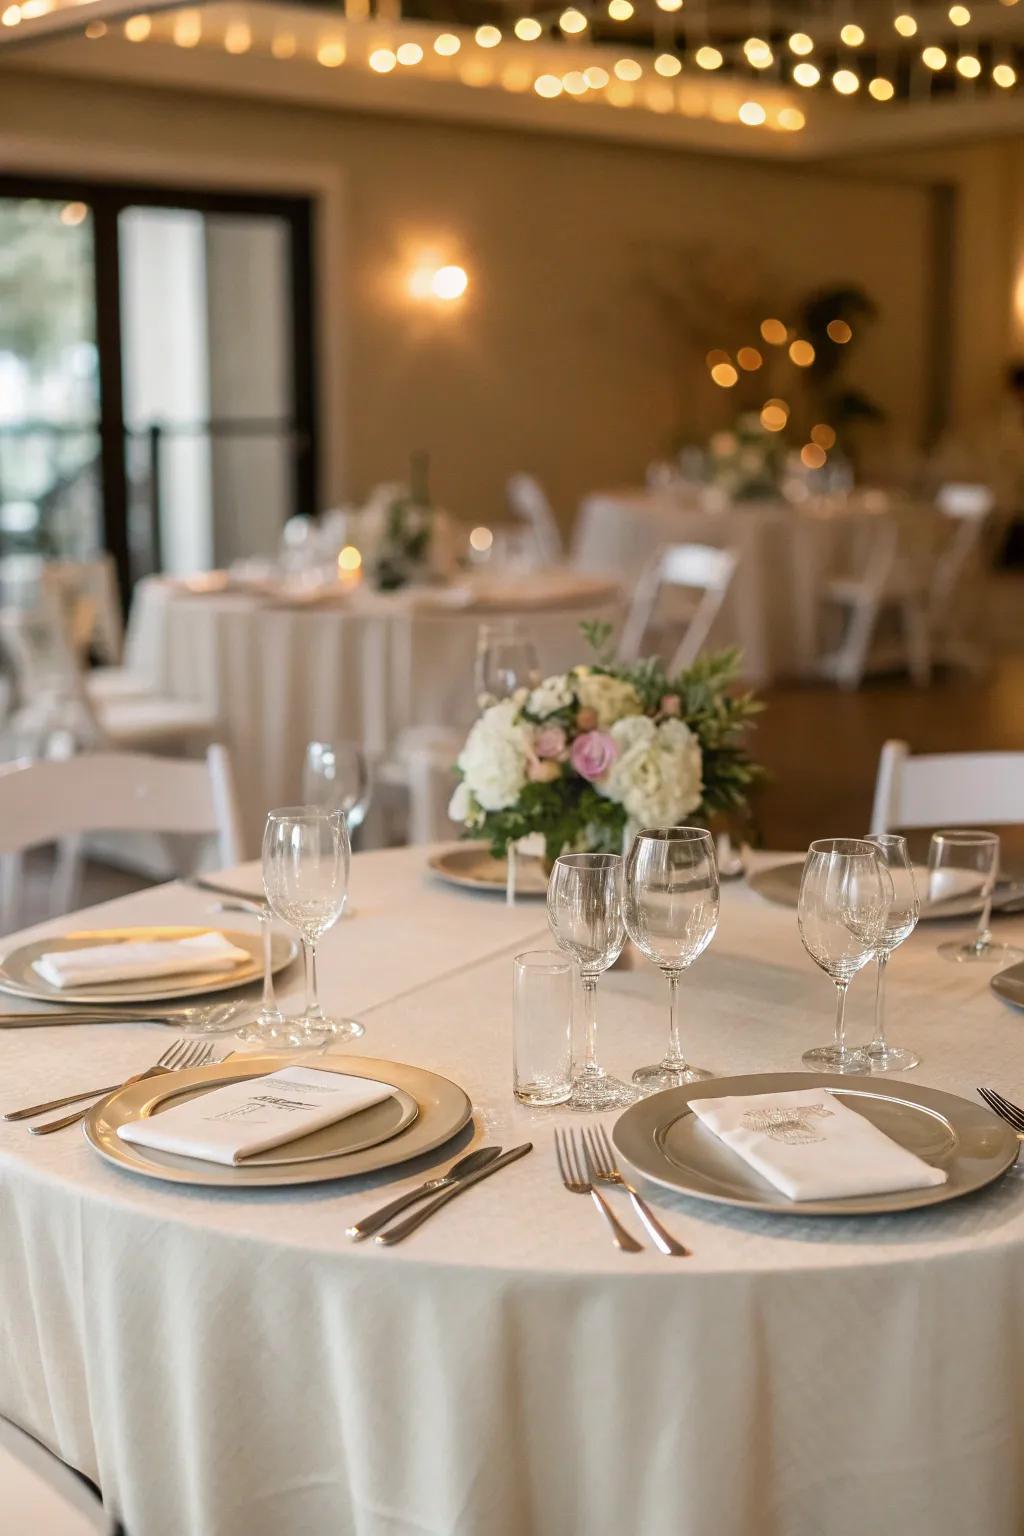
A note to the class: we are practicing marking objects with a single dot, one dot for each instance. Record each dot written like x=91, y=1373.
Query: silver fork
x=1006, y=1110
x=577, y=1177
x=184, y=1053
x=606, y=1171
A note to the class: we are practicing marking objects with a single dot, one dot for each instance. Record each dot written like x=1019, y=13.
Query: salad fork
x=193, y=1053
x=577, y=1176
x=606, y=1171
x=1005, y=1109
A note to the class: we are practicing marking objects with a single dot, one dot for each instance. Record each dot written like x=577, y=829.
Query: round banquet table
x=278, y=673
x=231, y=1365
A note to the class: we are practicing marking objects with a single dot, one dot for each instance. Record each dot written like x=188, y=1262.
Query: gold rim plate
x=781, y=884
x=1009, y=984
x=472, y=866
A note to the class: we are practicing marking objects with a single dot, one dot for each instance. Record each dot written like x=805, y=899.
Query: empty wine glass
x=585, y=913
x=671, y=912
x=967, y=864
x=505, y=661
x=336, y=776
x=269, y=1026
x=306, y=857
x=844, y=899
x=899, y=925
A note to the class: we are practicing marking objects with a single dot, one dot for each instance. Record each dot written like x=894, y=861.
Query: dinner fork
x=192, y=1053
x=1005, y=1109
x=606, y=1171
x=577, y=1176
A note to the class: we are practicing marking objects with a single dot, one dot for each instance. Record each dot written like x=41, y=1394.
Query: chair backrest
x=48, y=800
x=968, y=508
x=42, y=1494
x=528, y=501
x=947, y=789
x=691, y=567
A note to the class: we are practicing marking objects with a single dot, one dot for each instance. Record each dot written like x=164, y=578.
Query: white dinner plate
x=473, y=866
x=661, y=1138
x=426, y=1111
x=781, y=883
x=18, y=977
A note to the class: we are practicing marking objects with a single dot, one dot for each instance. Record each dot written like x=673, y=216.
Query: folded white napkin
x=232, y=1123
x=812, y=1147
x=137, y=961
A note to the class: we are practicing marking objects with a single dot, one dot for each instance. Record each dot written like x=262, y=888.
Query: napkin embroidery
x=791, y=1125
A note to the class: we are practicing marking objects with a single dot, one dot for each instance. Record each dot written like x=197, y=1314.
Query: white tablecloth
x=233, y=1366
x=279, y=677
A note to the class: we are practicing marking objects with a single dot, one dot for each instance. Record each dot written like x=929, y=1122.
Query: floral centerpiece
x=587, y=752
x=748, y=462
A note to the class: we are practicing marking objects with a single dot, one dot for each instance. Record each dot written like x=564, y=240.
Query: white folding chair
x=888, y=581
x=527, y=500
x=61, y=800
x=687, y=568
x=966, y=510
x=41, y=1495
x=947, y=789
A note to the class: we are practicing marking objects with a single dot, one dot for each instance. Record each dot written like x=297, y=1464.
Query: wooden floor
x=821, y=745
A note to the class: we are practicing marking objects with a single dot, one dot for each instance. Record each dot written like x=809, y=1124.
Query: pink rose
x=550, y=741
x=542, y=772
x=670, y=705
x=586, y=719
x=593, y=754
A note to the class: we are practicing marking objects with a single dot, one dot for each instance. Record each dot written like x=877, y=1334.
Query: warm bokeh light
x=238, y=37
x=331, y=53
x=968, y=66
x=801, y=43
x=959, y=15
x=74, y=213
x=667, y=65
x=774, y=416
x=447, y=44
x=749, y=359
x=528, y=29
x=881, y=88
x=792, y=119
x=349, y=558
x=138, y=28
x=620, y=10
x=596, y=77
x=806, y=74
x=773, y=332
x=93, y=30
x=283, y=45
x=801, y=353
x=934, y=58
x=852, y=35
x=575, y=83
x=812, y=456
x=627, y=69
x=708, y=58
x=905, y=25
x=1004, y=75
x=481, y=540
x=187, y=30
x=572, y=20
x=839, y=332
x=669, y=5
x=409, y=53
x=449, y=283
x=487, y=36
x=11, y=15
x=845, y=82
x=548, y=86
x=516, y=77
x=382, y=60
x=759, y=55
x=823, y=435
x=716, y=355
x=724, y=375
x=752, y=114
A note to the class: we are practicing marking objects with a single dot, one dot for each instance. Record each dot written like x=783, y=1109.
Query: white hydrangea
x=463, y=808
x=553, y=694
x=610, y=698
x=657, y=776
x=495, y=757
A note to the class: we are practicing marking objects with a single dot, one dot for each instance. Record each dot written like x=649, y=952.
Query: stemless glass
x=899, y=925
x=967, y=864
x=306, y=857
x=671, y=912
x=585, y=913
x=542, y=1027
x=505, y=661
x=844, y=899
x=336, y=776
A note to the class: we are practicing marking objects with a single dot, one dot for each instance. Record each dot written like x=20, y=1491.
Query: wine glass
x=306, y=857
x=671, y=912
x=899, y=925
x=336, y=776
x=585, y=914
x=967, y=864
x=268, y=1026
x=505, y=662
x=845, y=894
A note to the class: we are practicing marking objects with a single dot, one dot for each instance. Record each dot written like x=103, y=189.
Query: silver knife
x=232, y=893
x=460, y=1170
x=396, y=1233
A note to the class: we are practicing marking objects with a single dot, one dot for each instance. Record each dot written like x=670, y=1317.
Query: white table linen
x=234, y=1366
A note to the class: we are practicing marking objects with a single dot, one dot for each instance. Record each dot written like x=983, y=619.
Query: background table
x=231, y=1365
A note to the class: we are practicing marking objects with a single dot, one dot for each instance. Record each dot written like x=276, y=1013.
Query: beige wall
x=556, y=361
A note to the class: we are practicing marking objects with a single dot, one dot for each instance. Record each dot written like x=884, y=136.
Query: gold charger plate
x=473, y=867
x=337, y=1151
x=781, y=883
x=661, y=1138
x=18, y=977
x=1009, y=984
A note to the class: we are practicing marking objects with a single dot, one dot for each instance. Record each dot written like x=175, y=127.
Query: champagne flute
x=505, y=662
x=585, y=914
x=671, y=912
x=844, y=900
x=306, y=857
x=899, y=925
x=966, y=863
x=336, y=776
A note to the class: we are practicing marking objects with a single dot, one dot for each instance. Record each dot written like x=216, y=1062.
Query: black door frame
x=106, y=200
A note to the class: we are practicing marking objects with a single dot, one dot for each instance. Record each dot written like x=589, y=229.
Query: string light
x=331, y=54
x=852, y=35
x=627, y=69
x=237, y=37
x=839, y=332
x=527, y=29
x=1004, y=75
x=708, y=58
x=812, y=456
x=620, y=10
x=487, y=36
x=548, y=86
x=283, y=45
x=669, y=5
x=575, y=83
x=752, y=114
x=845, y=82
x=481, y=539
x=800, y=43
x=572, y=21
x=382, y=61
x=349, y=558
x=724, y=375
x=749, y=359
x=792, y=119
x=759, y=55
x=823, y=435
x=12, y=15
x=447, y=44
x=801, y=353
x=968, y=66
x=905, y=25
x=959, y=15
x=138, y=28
x=596, y=77
x=774, y=415
x=187, y=29
x=668, y=65
x=881, y=89
x=407, y=53
x=774, y=332
x=806, y=74
x=934, y=58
